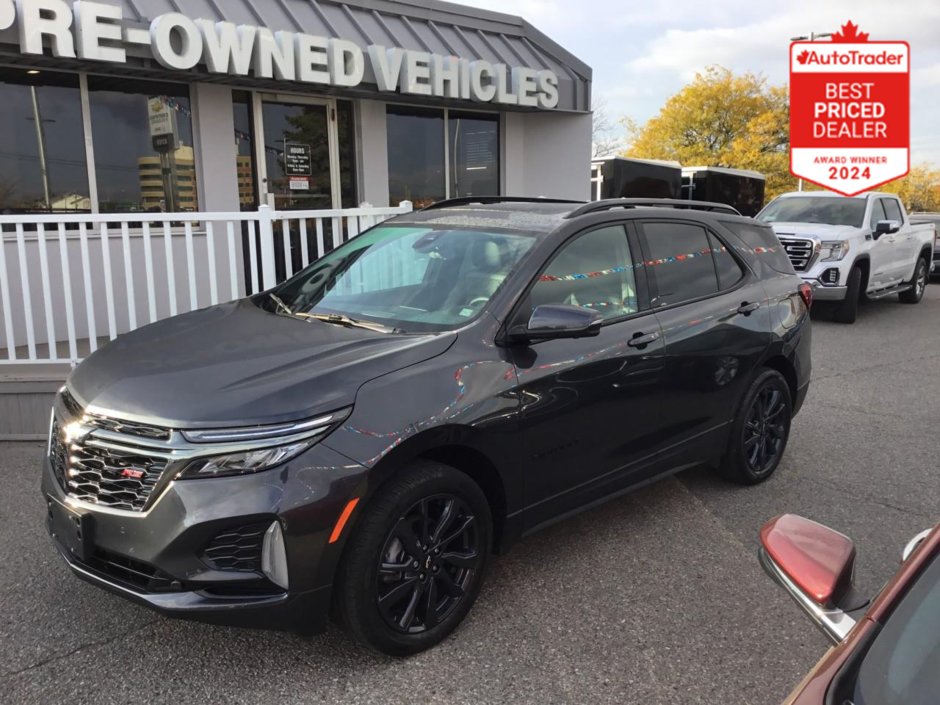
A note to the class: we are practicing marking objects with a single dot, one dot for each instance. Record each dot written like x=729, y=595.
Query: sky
x=642, y=53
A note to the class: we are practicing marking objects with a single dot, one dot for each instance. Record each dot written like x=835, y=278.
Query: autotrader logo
x=852, y=57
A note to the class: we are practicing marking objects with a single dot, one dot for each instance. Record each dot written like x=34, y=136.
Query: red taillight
x=806, y=293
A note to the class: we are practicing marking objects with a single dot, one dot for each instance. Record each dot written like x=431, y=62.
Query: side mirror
x=815, y=565
x=551, y=321
x=886, y=227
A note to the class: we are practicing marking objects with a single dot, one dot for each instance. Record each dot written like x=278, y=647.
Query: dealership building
x=221, y=105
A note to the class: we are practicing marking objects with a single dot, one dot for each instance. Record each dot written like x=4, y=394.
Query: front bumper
x=155, y=557
x=826, y=292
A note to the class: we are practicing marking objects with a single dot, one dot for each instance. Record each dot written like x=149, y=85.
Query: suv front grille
x=117, y=471
x=800, y=252
x=111, y=478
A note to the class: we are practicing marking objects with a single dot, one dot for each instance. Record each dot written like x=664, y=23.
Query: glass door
x=298, y=169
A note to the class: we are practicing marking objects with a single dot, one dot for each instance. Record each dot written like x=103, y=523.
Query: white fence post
x=266, y=246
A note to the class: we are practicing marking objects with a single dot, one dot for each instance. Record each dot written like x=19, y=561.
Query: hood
x=819, y=231
x=236, y=364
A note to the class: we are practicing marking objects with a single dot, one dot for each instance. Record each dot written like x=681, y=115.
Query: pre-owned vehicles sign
x=849, y=111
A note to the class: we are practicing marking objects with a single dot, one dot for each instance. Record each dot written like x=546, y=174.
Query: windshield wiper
x=281, y=305
x=344, y=320
x=337, y=318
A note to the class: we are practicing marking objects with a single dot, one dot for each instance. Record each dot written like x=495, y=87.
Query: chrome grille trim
x=800, y=251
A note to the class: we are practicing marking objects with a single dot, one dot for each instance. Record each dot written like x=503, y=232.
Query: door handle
x=748, y=308
x=641, y=340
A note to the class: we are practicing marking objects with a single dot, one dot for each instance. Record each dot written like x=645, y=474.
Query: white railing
x=70, y=282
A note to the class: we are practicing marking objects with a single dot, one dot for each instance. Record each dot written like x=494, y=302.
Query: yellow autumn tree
x=919, y=190
x=722, y=119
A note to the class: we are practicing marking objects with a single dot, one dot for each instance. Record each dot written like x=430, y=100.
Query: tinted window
x=594, y=271
x=729, y=271
x=680, y=261
x=136, y=171
x=893, y=209
x=900, y=668
x=877, y=213
x=42, y=145
x=833, y=210
x=415, y=155
x=762, y=242
x=474, y=154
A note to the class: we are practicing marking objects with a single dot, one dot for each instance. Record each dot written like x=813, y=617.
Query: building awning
x=430, y=26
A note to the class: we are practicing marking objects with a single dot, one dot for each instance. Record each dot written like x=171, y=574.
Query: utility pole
x=812, y=37
x=41, y=141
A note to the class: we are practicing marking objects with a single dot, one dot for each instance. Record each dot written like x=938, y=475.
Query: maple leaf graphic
x=849, y=33
x=802, y=56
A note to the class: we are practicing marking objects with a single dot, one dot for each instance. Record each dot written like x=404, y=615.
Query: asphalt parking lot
x=656, y=597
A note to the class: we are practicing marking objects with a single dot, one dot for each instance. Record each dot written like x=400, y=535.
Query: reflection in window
x=244, y=150
x=415, y=155
x=143, y=131
x=42, y=145
x=680, y=262
x=347, y=153
x=473, y=140
x=595, y=271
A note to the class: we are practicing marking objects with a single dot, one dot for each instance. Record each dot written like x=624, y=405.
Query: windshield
x=900, y=668
x=809, y=209
x=407, y=278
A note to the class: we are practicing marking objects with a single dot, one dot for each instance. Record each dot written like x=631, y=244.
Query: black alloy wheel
x=415, y=559
x=759, y=431
x=427, y=562
x=765, y=430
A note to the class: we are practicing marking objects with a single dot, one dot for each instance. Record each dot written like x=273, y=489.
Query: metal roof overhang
x=432, y=26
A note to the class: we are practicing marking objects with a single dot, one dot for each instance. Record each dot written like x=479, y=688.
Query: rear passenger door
x=716, y=324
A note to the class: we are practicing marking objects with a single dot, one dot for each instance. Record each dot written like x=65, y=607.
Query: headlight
x=833, y=250
x=245, y=462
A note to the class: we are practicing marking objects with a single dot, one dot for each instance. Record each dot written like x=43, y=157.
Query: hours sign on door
x=849, y=111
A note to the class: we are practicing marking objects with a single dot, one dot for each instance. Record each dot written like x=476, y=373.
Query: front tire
x=760, y=431
x=847, y=311
x=415, y=563
x=918, y=284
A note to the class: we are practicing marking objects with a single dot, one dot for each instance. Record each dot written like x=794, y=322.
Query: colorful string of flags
x=648, y=263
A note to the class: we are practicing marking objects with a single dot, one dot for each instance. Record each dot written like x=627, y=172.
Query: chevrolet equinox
x=359, y=439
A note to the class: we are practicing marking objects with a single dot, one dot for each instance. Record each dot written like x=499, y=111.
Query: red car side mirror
x=815, y=564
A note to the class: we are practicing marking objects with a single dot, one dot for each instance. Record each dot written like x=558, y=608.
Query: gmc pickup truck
x=850, y=249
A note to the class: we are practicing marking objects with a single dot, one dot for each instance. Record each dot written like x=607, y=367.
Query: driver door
x=882, y=250
x=591, y=406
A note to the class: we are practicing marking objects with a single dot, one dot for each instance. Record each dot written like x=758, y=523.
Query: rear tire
x=918, y=284
x=760, y=431
x=847, y=311
x=414, y=565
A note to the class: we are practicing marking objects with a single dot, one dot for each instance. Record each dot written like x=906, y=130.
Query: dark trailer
x=619, y=177
x=740, y=188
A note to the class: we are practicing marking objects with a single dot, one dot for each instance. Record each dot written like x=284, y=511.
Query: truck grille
x=114, y=471
x=799, y=251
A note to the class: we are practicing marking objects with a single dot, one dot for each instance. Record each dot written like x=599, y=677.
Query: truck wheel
x=760, y=431
x=918, y=284
x=848, y=309
x=414, y=565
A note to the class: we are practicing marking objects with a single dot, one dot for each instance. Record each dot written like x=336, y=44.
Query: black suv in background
x=362, y=436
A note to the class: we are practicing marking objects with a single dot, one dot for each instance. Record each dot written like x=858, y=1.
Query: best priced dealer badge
x=849, y=111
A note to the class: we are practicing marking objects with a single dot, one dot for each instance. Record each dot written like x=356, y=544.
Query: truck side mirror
x=886, y=226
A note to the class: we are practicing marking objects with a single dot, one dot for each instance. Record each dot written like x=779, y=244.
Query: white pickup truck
x=853, y=248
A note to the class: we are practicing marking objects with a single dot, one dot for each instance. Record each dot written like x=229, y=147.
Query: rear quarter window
x=761, y=242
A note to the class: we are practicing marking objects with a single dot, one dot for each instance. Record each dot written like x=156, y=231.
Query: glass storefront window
x=415, y=155
x=142, y=169
x=346, y=130
x=42, y=145
x=473, y=141
x=244, y=150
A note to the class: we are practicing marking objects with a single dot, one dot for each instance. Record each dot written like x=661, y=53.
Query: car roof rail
x=611, y=203
x=484, y=200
